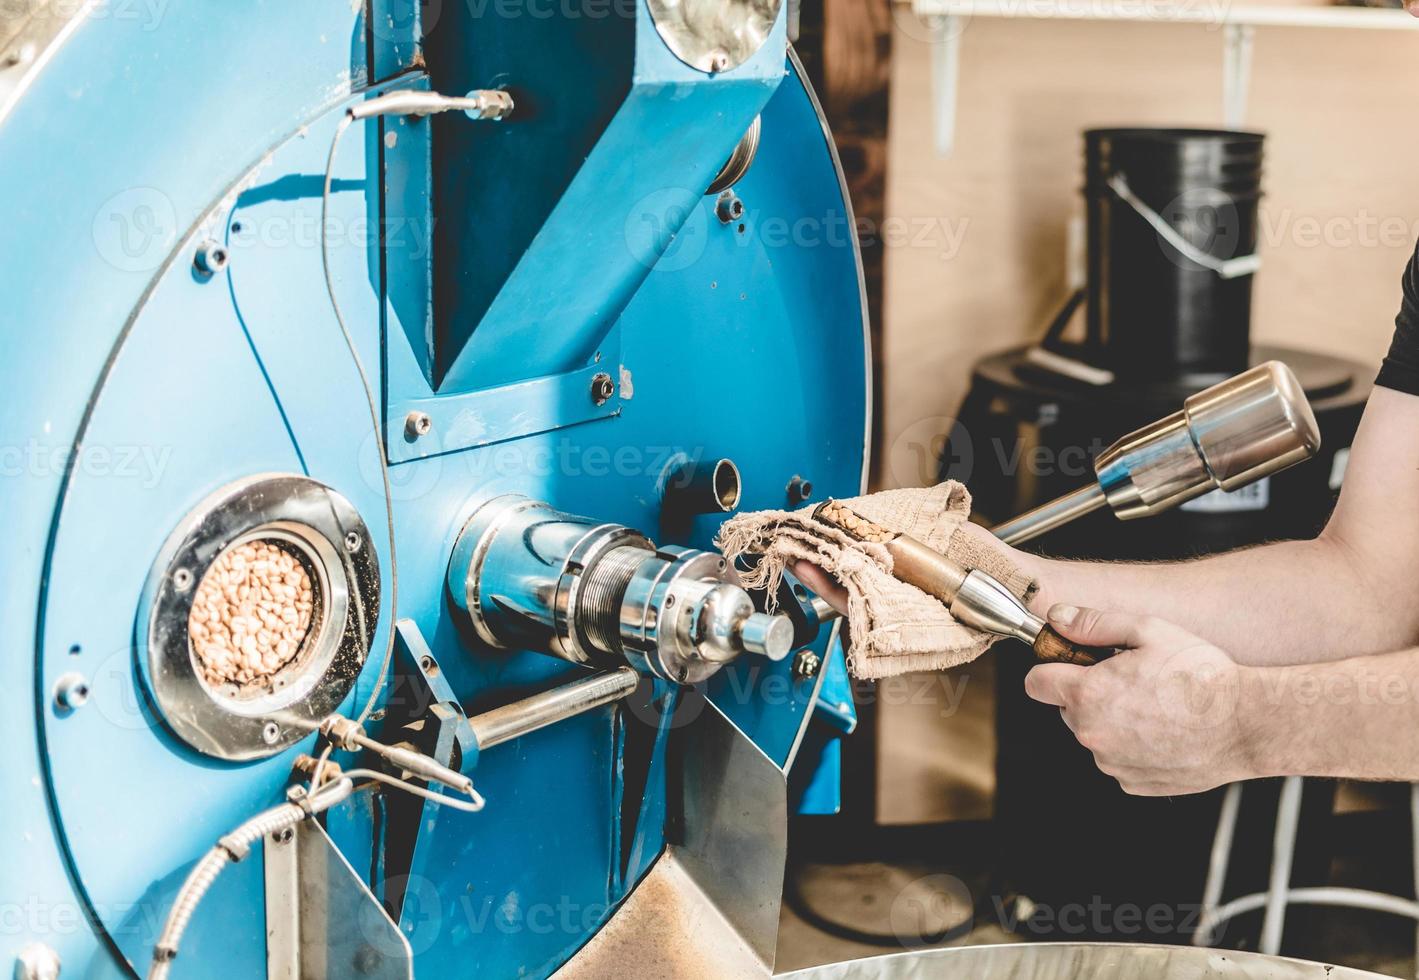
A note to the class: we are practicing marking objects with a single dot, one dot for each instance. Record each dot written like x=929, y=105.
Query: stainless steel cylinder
x=529, y=576
x=1227, y=436
x=540, y=710
x=710, y=486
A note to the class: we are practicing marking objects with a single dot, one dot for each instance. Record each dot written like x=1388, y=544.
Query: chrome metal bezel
x=316, y=523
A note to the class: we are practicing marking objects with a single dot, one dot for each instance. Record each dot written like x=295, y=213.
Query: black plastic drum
x=1172, y=223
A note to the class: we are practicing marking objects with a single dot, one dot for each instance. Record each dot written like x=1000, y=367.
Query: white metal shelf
x=1293, y=15
x=948, y=18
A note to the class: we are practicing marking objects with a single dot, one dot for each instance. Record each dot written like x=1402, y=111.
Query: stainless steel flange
x=331, y=542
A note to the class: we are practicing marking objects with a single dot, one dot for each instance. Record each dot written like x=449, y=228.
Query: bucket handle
x=1242, y=265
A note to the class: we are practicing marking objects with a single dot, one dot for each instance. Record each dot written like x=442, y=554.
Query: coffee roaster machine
x=481, y=317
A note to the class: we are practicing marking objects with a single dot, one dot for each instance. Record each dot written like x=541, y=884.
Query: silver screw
x=417, y=424
x=182, y=579
x=270, y=733
x=211, y=258
x=353, y=542
x=37, y=961
x=806, y=663
x=71, y=691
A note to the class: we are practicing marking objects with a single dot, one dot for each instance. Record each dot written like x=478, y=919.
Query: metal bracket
x=451, y=742
x=480, y=418
x=321, y=920
x=710, y=905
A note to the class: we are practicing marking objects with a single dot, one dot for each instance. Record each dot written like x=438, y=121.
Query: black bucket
x=1160, y=310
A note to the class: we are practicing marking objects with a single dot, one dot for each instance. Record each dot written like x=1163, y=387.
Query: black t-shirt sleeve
x=1400, y=369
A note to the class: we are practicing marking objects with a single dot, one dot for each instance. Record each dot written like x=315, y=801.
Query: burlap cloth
x=895, y=627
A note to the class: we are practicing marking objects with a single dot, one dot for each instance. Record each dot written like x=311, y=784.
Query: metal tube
x=1049, y=516
x=514, y=720
x=1283, y=851
x=1217, y=865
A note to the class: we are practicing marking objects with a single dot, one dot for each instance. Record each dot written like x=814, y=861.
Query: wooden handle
x=1052, y=648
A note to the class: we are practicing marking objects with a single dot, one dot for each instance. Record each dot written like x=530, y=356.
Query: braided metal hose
x=229, y=850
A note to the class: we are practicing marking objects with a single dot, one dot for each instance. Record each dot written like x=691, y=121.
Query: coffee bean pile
x=845, y=519
x=251, y=614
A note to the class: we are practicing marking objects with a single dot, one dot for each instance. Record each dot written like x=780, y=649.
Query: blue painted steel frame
x=177, y=384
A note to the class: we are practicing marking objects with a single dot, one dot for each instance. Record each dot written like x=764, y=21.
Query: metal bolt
x=799, y=490
x=36, y=961
x=211, y=257
x=182, y=579
x=806, y=663
x=728, y=208
x=417, y=424
x=368, y=960
x=283, y=836
x=270, y=733
x=71, y=691
x=353, y=542
x=602, y=388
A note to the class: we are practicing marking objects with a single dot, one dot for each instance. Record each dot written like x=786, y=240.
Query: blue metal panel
x=734, y=345
x=150, y=117
x=614, y=146
x=822, y=792
x=817, y=778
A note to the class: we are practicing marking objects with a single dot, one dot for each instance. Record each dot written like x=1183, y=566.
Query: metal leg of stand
x=1283, y=850
x=1217, y=865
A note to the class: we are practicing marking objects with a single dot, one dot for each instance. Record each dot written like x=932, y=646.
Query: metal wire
x=473, y=804
x=378, y=428
x=231, y=848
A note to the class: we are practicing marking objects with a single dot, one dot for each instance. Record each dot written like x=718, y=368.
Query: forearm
x=1356, y=718
x=1347, y=593
x=1290, y=602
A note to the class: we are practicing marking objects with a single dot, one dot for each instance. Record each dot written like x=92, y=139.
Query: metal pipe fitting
x=532, y=577
x=710, y=486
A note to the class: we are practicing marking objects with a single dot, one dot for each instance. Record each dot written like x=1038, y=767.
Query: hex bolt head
x=417, y=424
x=728, y=208
x=71, y=691
x=806, y=664
x=211, y=258
x=602, y=388
x=270, y=733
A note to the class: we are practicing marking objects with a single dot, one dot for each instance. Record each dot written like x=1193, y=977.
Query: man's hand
x=1160, y=716
x=822, y=583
